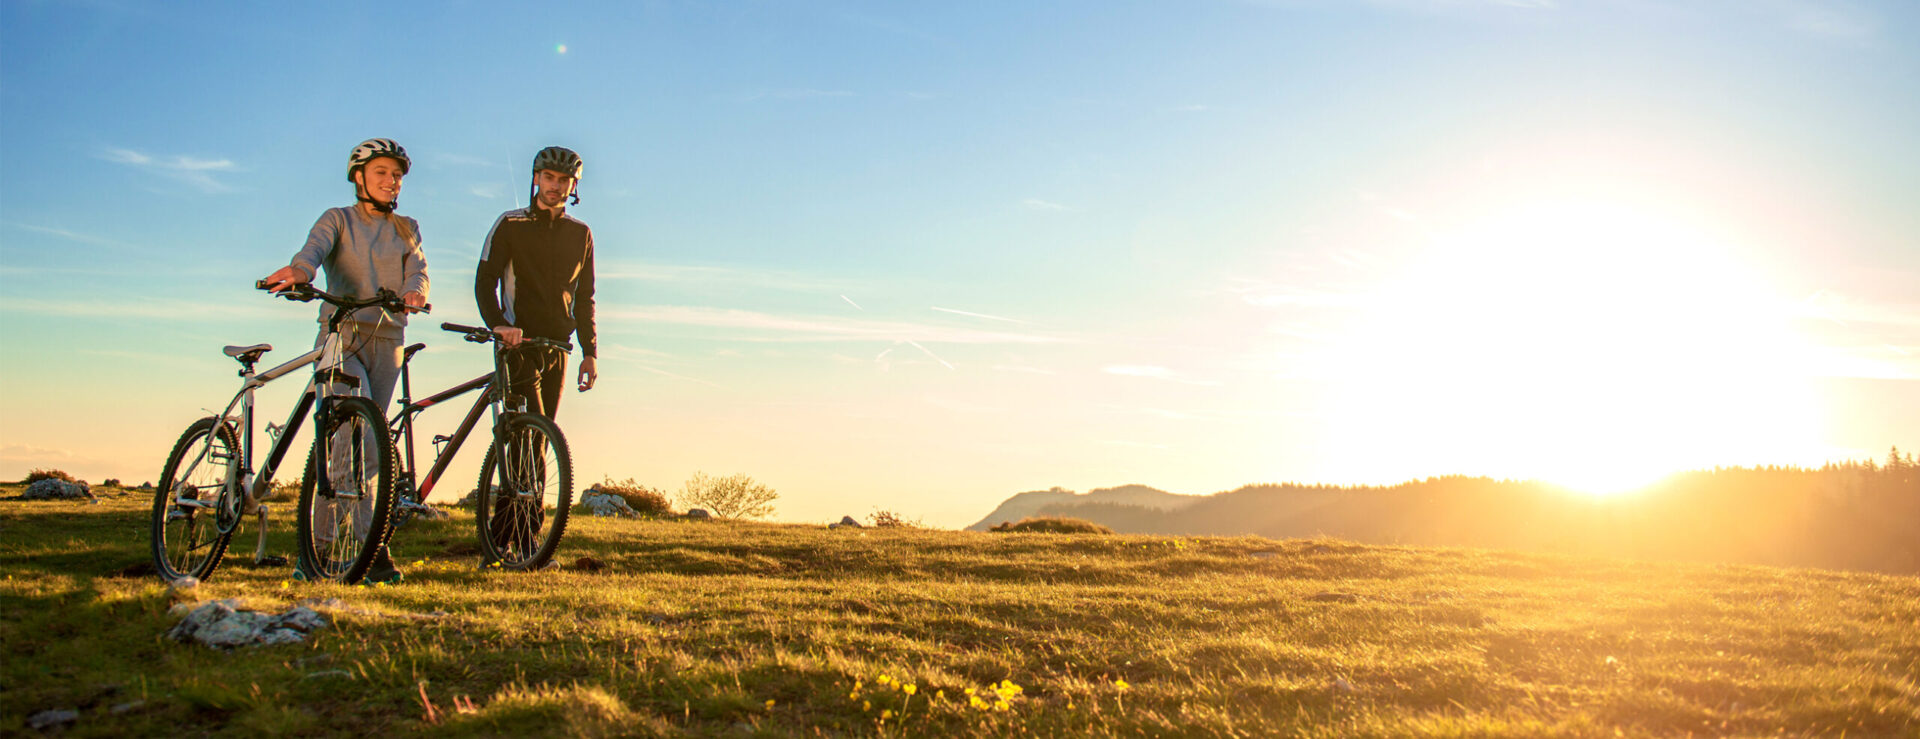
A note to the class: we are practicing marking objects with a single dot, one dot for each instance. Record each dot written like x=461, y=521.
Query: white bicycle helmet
x=372, y=149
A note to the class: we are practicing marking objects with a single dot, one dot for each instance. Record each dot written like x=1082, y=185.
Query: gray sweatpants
x=375, y=360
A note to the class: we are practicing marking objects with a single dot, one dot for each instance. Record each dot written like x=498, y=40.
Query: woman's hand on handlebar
x=284, y=279
x=416, y=303
x=509, y=336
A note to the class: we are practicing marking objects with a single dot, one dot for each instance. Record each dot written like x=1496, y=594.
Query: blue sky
x=920, y=258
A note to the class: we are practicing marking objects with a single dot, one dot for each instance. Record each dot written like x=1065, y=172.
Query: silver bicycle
x=209, y=483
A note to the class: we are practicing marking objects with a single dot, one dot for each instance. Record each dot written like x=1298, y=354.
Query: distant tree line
x=1851, y=515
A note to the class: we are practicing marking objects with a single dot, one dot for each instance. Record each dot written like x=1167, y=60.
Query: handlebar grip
x=260, y=284
x=459, y=329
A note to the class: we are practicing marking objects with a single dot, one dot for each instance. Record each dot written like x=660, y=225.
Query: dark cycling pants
x=539, y=375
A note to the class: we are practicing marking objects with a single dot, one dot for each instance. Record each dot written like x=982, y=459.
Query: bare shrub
x=735, y=496
x=1053, y=525
x=647, y=501
x=47, y=474
x=285, y=490
x=892, y=520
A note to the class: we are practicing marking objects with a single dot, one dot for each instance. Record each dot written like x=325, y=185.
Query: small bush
x=648, y=501
x=737, y=496
x=40, y=474
x=892, y=520
x=112, y=482
x=284, y=490
x=1053, y=525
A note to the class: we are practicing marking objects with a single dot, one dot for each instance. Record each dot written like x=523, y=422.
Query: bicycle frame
x=250, y=484
x=401, y=428
x=245, y=485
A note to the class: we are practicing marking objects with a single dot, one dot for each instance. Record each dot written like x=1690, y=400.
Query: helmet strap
x=360, y=194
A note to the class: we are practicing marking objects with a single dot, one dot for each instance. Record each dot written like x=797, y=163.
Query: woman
x=364, y=248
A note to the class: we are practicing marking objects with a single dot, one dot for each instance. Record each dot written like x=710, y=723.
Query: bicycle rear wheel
x=187, y=538
x=346, y=495
x=526, y=489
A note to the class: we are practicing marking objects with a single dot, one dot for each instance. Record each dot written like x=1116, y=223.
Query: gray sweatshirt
x=362, y=254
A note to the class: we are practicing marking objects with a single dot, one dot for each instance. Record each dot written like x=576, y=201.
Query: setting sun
x=1594, y=343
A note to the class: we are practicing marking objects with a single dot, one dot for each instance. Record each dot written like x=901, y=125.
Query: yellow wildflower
x=769, y=702
x=1121, y=685
x=909, y=688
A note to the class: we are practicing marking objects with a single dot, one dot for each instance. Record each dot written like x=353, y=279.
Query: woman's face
x=381, y=177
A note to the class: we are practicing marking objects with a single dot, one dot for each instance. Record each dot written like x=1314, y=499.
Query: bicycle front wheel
x=526, y=489
x=346, y=495
x=187, y=537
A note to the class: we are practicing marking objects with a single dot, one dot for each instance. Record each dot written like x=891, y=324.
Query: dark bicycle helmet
x=557, y=159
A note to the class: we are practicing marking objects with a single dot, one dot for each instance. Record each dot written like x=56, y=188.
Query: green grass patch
x=668, y=627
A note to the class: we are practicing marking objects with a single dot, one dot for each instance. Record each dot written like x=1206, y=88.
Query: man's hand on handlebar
x=509, y=336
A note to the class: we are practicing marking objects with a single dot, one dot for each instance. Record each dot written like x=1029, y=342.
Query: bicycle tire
x=198, y=554
x=345, y=552
x=520, y=511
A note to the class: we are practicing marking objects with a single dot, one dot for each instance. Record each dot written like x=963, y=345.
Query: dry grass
x=705, y=628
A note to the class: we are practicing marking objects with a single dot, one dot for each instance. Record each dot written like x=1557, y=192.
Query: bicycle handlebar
x=481, y=335
x=306, y=293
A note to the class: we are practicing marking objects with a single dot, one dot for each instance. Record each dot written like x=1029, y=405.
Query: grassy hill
x=1839, y=517
x=684, y=628
x=1030, y=504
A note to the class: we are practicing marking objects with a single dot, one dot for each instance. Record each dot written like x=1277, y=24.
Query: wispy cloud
x=1154, y=373
x=771, y=327
x=172, y=310
x=192, y=170
x=929, y=353
x=1190, y=109
x=73, y=236
x=1038, y=204
x=490, y=192
x=28, y=453
x=1845, y=310
x=856, y=306
x=1837, y=21
x=723, y=275
x=1133, y=444
x=971, y=314
x=806, y=93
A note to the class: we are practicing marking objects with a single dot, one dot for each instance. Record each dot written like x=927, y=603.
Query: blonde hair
x=405, y=227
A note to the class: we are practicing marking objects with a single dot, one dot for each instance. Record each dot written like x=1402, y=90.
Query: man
x=536, y=279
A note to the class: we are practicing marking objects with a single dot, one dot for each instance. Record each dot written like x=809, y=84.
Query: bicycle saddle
x=247, y=354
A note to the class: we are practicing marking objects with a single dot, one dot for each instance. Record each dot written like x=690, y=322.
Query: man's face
x=554, y=187
x=381, y=178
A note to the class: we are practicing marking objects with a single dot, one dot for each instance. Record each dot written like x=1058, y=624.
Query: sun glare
x=1593, y=344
